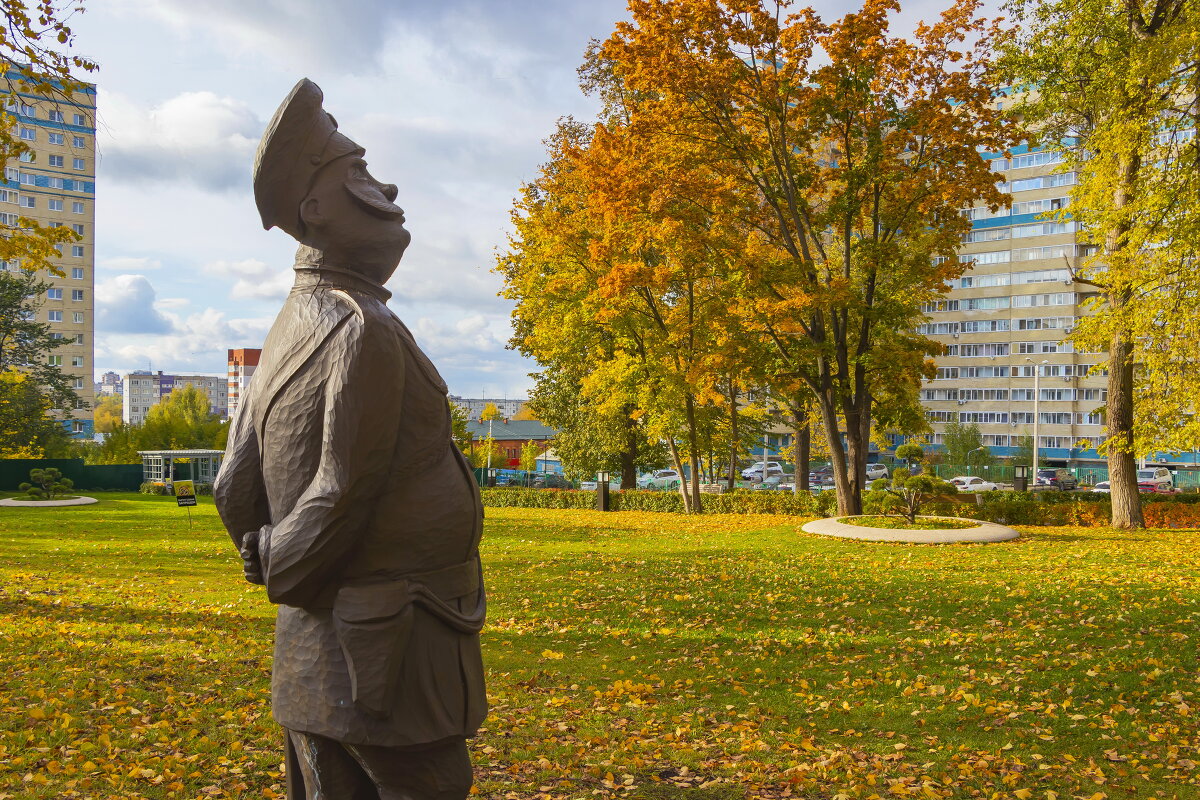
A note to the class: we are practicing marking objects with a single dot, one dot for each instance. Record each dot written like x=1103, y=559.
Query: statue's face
x=355, y=215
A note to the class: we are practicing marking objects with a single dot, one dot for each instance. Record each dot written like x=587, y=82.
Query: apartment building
x=242, y=364
x=1005, y=320
x=142, y=389
x=55, y=185
x=476, y=405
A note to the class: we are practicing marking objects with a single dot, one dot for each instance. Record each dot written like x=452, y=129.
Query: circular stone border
x=78, y=501
x=983, y=532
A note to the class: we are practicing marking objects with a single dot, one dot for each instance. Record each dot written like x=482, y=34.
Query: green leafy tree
x=26, y=343
x=1023, y=453
x=1117, y=92
x=27, y=429
x=458, y=426
x=529, y=455
x=182, y=421
x=964, y=445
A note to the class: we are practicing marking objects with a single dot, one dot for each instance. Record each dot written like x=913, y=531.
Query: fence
x=15, y=471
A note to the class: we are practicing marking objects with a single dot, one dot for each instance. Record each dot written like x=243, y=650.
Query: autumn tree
x=490, y=412
x=845, y=156
x=1115, y=86
x=106, y=413
x=26, y=428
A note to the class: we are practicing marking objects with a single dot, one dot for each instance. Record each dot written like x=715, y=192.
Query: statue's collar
x=312, y=276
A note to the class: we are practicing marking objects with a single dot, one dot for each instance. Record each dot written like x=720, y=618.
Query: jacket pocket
x=373, y=624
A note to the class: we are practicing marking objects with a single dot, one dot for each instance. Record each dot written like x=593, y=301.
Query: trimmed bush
x=736, y=502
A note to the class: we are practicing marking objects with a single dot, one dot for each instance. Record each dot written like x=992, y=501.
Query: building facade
x=475, y=406
x=110, y=383
x=1005, y=320
x=55, y=185
x=142, y=389
x=242, y=364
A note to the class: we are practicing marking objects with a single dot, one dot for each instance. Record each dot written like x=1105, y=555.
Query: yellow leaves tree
x=841, y=157
x=107, y=413
x=1118, y=90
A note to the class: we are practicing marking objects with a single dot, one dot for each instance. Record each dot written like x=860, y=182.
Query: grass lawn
x=635, y=655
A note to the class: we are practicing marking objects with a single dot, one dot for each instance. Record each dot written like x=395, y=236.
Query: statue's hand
x=251, y=564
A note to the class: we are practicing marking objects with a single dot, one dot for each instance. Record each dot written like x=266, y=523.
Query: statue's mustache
x=374, y=202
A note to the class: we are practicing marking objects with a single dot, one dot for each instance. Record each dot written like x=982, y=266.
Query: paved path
x=78, y=501
x=986, y=532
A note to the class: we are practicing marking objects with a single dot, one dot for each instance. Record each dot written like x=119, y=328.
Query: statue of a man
x=347, y=498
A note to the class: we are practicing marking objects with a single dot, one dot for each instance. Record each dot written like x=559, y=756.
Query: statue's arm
x=238, y=490
x=302, y=551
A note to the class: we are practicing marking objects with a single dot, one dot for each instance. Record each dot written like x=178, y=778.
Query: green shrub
x=46, y=484
x=735, y=502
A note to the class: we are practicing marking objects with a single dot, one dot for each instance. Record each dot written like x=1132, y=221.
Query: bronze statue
x=347, y=498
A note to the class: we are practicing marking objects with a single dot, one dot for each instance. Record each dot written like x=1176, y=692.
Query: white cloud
x=252, y=279
x=125, y=304
x=199, y=137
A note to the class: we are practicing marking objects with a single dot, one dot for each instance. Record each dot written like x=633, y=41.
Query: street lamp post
x=1037, y=393
x=976, y=450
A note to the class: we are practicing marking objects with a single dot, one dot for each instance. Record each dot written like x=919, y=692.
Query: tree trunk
x=683, y=488
x=733, y=433
x=847, y=506
x=1122, y=466
x=803, y=433
x=693, y=455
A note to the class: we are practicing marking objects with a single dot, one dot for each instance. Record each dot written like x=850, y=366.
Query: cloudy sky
x=451, y=100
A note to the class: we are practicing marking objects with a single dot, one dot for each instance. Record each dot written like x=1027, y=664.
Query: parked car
x=551, y=480
x=972, y=483
x=821, y=475
x=1101, y=487
x=590, y=486
x=1056, y=479
x=773, y=482
x=876, y=471
x=762, y=469
x=659, y=479
x=1158, y=477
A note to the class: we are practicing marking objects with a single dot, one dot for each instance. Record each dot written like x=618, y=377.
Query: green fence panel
x=15, y=471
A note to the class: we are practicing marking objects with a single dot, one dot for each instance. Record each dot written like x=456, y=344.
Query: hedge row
x=1084, y=509
x=154, y=487
x=736, y=502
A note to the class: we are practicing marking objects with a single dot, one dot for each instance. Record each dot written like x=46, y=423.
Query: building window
x=78, y=383
x=78, y=119
x=76, y=361
x=76, y=316
x=56, y=161
x=57, y=138
x=77, y=272
x=54, y=294
x=55, y=205
x=77, y=251
x=78, y=141
x=78, y=228
x=28, y=134
x=79, y=338
x=76, y=208
x=55, y=116
x=28, y=201
x=77, y=163
x=77, y=295
x=54, y=316
x=76, y=426
x=55, y=361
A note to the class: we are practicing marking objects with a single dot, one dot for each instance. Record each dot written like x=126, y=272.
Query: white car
x=1101, y=487
x=659, y=479
x=1159, y=476
x=972, y=483
x=876, y=471
x=762, y=469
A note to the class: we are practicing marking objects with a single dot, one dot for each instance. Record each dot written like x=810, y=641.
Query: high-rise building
x=242, y=364
x=142, y=389
x=508, y=407
x=1006, y=318
x=109, y=383
x=55, y=184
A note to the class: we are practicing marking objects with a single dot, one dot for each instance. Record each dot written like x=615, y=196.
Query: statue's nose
x=390, y=191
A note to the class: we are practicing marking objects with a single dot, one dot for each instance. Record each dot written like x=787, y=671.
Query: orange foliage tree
x=842, y=156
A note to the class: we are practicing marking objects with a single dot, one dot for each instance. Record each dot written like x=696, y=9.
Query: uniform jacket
x=368, y=520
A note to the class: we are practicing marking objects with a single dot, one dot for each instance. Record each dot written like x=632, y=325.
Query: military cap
x=300, y=139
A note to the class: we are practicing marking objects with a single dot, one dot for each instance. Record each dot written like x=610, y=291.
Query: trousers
x=320, y=768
